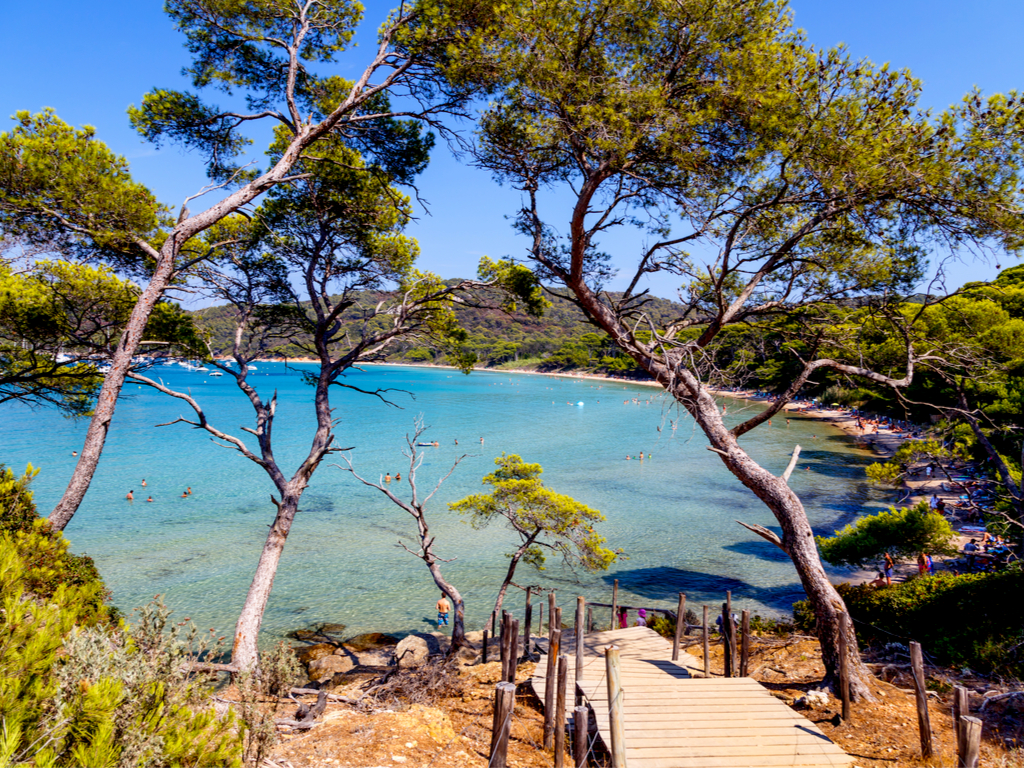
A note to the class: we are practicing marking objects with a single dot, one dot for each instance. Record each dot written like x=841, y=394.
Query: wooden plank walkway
x=673, y=720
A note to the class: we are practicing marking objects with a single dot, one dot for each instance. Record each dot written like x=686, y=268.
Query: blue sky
x=89, y=61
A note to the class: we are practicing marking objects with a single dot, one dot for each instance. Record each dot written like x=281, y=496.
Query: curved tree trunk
x=96, y=436
x=244, y=653
x=514, y=561
x=458, y=607
x=797, y=539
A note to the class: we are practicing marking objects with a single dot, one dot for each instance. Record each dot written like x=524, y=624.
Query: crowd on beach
x=956, y=489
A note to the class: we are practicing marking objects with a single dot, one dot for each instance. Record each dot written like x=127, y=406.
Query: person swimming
x=143, y=482
x=131, y=495
x=150, y=498
x=387, y=478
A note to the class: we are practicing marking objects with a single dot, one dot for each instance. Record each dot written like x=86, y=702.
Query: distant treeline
x=561, y=340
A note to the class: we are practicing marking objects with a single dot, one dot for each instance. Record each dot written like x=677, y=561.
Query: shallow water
x=673, y=514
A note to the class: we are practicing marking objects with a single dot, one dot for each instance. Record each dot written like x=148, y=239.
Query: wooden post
x=615, y=605
x=504, y=701
x=970, y=744
x=580, y=731
x=844, y=669
x=558, y=617
x=527, y=624
x=580, y=613
x=590, y=618
x=726, y=645
x=551, y=611
x=563, y=681
x=961, y=708
x=923, y=721
x=513, y=651
x=745, y=644
x=554, y=646
x=493, y=616
x=540, y=623
x=503, y=649
x=485, y=647
x=707, y=645
x=730, y=634
x=680, y=625
x=616, y=726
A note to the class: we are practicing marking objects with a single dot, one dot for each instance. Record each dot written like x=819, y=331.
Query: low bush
x=972, y=620
x=77, y=686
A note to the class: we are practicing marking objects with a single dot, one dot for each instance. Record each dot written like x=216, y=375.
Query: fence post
x=563, y=680
x=554, y=646
x=527, y=623
x=513, y=651
x=504, y=701
x=844, y=669
x=707, y=645
x=726, y=645
x=615, y=605
x=923, y=721
x=503, y=647
x=615, y=694
x=551, y=611
x=590, y=618
x=680, y=625
x=745, y=644
x=580, y=613
x=967, y=753
x=961, y=708
x=485, y=647
x=580, y=731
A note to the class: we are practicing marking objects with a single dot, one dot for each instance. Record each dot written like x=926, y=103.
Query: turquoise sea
x=673, y=514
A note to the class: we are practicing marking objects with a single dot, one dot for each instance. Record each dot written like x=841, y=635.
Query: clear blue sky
x=90, y=60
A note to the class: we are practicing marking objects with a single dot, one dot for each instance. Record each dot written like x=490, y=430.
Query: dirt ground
x=453, y=729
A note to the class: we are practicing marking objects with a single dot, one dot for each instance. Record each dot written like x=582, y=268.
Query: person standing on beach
x=443, y=609
x=890, y=567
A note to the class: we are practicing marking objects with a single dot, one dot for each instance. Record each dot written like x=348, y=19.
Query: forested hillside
x=561, y=339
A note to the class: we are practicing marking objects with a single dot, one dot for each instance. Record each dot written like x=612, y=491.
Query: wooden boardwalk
x=673, y=720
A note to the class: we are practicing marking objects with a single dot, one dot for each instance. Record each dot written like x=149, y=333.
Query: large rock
x=313, y=652
x=329, y=666
x=412, y=651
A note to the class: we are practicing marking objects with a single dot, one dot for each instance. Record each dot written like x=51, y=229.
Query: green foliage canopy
x=903, y=533
x=542, y=518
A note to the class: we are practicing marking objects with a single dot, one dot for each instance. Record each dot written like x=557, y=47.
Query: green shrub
x=77, y=687
x=900, y=532
x=974, y=620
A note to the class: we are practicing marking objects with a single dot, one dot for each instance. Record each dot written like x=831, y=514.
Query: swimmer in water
x=74, y=453
x=189, y=490
x=150, y=498
x=387, y=478
x=398, y=476
x=184, y=495
x=143, y=482
x=131, y=495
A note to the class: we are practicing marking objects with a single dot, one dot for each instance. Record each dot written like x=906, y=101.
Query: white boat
x=250, y=368
x=216, y=373
x=201, y=369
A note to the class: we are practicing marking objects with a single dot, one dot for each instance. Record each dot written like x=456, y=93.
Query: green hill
x=560, y=340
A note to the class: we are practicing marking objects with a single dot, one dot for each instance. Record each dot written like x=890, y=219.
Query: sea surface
x=673, y=514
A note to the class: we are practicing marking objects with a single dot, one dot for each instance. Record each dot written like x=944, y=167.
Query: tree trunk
x=514, y=561
x=797, y=539
x=96, y=436
x=672, y=372
x=244, y=652
x=458, y=607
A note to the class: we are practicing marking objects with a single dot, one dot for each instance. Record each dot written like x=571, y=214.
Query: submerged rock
x=331, y=633
x=369, y=641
